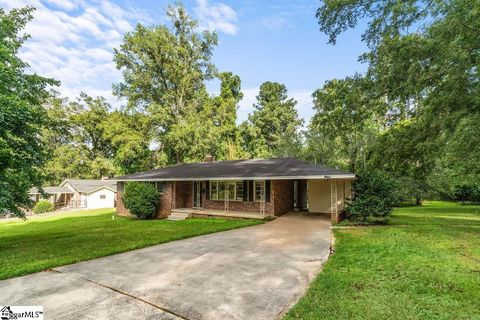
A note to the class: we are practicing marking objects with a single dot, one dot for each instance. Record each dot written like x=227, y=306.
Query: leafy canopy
x=163, y=74
x=274, y=126
x=423, y=64
x=22, y=152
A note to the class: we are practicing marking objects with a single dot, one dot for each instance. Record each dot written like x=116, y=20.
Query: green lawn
x=45, y=242
x=424, y=265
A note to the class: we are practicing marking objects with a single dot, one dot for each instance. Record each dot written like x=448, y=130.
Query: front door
x=197, y=194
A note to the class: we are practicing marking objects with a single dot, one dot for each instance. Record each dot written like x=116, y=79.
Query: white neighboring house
x=77, y=193
x=91, y=194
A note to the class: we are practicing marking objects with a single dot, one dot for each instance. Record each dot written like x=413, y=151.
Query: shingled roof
x=51, y=190
x=277, y=168
x=87, y=186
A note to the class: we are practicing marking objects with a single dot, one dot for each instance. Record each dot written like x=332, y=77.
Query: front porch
x=201, y=212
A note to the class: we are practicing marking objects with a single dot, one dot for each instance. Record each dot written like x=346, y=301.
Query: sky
x=73, y=40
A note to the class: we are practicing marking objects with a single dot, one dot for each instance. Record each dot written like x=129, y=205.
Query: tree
x=458, y=166
x=346, y=121
x=86, y=115
x=22, y=117
x=274, y=122
x=58, y=130
x=423, y=59
x=401, y=151
x=129, y=136
x=88, y=140
x=163, y=74
x=221, y=116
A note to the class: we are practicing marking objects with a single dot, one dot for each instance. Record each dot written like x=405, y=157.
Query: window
x=159, y=186
x=221, y=190
x=239, y=190
x=259, y=187
x=103, y=197
x=213, y=190
x=231, y=189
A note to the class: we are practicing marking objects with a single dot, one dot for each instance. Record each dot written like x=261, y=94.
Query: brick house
x=245, y=188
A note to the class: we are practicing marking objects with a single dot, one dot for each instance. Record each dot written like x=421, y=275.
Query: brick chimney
x=208, y=158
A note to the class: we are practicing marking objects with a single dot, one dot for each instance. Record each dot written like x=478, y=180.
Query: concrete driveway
x=256, y=272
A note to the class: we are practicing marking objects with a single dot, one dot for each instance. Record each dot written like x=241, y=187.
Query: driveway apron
x=257, y=272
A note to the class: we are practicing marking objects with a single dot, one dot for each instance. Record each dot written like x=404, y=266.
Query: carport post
x=334, y=201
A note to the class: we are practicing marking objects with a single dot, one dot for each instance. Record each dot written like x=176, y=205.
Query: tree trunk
x=418, y=200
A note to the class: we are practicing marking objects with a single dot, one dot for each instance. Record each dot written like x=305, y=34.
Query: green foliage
x=164, y=71
x=468, y=192
x=142, y=199
x=458, y=164
x=88, y=140
x=346, y=122
x=223, y=140
x=129, y=137
x=43, y=206
x=21, y=116
x=403, y=151
x=423, y=64
x=85, y=115
x=273, y=127
x=373, y=197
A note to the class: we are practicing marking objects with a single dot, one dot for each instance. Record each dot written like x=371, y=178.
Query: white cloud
x=219, y=17
x=303, y=97
x=64, y=4
x=274, y=23
x=72, y=41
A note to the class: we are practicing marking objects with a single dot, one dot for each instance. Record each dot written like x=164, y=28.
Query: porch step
x=178, y=215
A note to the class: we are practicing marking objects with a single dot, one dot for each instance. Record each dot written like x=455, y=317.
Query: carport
x=329, y=195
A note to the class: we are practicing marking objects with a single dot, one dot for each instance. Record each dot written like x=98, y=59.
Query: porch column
x=334, y=201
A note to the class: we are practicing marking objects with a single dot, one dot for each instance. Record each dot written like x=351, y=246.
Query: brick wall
x=281, y=199
x=165, y=202
x=121, y=210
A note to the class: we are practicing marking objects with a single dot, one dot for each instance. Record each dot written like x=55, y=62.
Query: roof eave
x=100, y=188
x=308, y=177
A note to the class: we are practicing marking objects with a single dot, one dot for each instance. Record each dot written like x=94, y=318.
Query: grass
x=47, y=241
x=424, y=265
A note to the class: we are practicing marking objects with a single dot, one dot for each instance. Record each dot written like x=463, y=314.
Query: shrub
x=373, y=197
x=467, y=192
x=141, y=199
x=43, y=206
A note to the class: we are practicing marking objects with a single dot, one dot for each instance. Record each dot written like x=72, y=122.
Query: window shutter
x=250, y=190
x=207, y=190
x=245, y=190
x=267, y=190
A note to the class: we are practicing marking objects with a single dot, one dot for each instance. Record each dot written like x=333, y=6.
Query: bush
x=467, y=192
x=373, y=197
x=141, y=199
x=43, y=206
